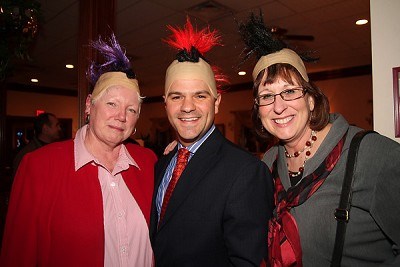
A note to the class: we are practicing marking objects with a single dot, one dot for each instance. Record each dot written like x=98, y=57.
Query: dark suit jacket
x=219, y=210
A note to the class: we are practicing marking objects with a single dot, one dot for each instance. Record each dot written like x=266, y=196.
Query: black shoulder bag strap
x=342, y=212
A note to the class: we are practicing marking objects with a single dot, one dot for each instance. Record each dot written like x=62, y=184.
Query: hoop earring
x=87, y=119
x=134, y=131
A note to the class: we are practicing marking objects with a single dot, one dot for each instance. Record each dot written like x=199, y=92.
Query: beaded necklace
x=307, y=149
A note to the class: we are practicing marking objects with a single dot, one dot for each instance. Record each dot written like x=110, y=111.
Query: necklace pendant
x=307, y=147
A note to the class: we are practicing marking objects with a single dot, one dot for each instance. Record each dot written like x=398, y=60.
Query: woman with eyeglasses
x=308, y=164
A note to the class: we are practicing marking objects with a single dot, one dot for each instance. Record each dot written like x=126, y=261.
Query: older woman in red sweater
x=86, y=202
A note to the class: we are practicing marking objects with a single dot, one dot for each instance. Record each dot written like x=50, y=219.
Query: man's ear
x=217, y=102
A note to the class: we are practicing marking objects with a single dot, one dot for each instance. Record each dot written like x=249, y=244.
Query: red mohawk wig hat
x=190, y=63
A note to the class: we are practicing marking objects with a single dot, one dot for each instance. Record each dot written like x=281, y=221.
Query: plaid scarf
x=284, y=247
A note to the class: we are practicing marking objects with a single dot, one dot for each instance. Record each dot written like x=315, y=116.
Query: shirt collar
x=83, y=156
x=196, y=145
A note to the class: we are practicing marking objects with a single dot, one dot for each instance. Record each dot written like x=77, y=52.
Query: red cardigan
x=55, y=216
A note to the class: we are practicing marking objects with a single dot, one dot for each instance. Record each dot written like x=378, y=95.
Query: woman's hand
x=170, y=147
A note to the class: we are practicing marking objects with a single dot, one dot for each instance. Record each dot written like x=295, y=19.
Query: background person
x=308, y=165
x=86, y=202
x=217, y=213
x=47, y=129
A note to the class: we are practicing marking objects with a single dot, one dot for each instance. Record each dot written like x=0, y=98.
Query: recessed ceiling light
x=34, y=80
x=361, y=21
x=242, y=73
x=69, y=66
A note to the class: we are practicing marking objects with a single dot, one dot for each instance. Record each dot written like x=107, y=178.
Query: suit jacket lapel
x=203, y=160
x=160, y=169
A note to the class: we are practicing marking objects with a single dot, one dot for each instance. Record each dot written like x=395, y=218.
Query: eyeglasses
x=287, y=95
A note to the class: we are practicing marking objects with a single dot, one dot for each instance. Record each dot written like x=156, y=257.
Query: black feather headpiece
x=268, y=49
x=258, y=38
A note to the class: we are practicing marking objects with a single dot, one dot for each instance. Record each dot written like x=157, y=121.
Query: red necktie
x=181, y=161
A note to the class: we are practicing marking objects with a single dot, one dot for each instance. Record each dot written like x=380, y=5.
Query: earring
x=134, y=131
x=87, y=119
x=262, y=129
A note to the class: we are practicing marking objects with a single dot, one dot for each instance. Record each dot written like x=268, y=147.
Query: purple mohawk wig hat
x=115, y=70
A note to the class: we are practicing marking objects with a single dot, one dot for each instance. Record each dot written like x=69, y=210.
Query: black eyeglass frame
x=304, y=90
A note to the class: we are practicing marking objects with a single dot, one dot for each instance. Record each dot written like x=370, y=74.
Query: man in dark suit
x=217, y=212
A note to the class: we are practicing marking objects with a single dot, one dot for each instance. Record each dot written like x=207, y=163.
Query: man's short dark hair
x=40, y=121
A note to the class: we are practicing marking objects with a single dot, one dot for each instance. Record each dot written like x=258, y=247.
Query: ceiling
x=140, y=26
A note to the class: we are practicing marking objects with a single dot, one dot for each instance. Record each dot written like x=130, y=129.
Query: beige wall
x=385, y=29
x=149, y=111
x=26, y=104
x=352, y=97
x=349, y=96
